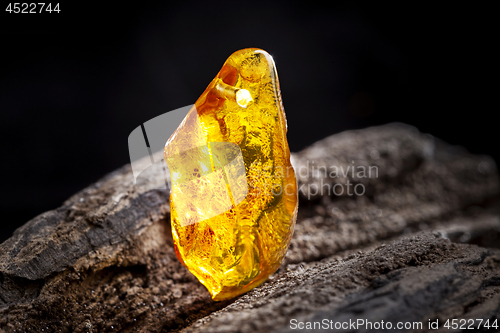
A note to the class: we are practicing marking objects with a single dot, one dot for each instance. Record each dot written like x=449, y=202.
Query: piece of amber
x=234, y=193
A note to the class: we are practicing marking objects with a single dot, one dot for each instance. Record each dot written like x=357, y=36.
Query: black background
x=73, y=85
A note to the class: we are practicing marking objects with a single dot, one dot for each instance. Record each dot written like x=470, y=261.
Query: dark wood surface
x=422, y=243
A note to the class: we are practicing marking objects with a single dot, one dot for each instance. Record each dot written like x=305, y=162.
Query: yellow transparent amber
x=234, y=198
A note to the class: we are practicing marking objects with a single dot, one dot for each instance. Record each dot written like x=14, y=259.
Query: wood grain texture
x=421, y=243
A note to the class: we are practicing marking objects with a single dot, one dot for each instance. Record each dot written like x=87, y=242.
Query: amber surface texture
x=234, y=193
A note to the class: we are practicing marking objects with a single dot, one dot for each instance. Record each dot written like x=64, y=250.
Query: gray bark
x=420, y=244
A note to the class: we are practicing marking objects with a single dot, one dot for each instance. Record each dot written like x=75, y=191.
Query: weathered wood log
x=411, y=281
x=104, y=261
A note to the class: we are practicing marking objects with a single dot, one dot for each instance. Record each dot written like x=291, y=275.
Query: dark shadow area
x=74, y=84
x=487, y=238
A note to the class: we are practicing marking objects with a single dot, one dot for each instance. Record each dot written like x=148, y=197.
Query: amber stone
x=234, y=193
